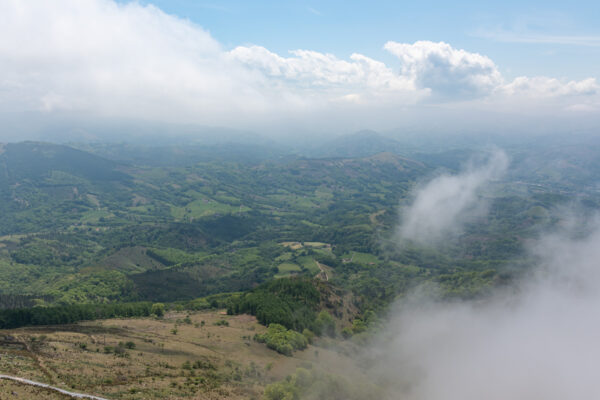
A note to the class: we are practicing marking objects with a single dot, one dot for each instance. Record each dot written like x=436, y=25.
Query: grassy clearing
x=311, y=224
x=295, y=201
x=300, y=245
x=287, y=269
x=93, y=216
x=285, y=257
x=14, y=390
x=12, y=238
x=360, y=258
x=147, y=208
x=131, y=260
x=317, y=245
x=182, y=356
x=309, y=263
x=373, y=217
x=204, y=207
x=292, y=245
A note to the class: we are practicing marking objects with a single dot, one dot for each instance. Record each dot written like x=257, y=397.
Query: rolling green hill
x=78, y=227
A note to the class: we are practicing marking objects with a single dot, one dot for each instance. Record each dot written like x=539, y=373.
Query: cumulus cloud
x=544, y=87
x=309, y=69
x=446, y=70
x=537, y=342
x=97, y=55
x=135, y=61
x=441, y=207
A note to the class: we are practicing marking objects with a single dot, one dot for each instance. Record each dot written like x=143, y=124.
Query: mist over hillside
x=294, y=201
x=533, y=339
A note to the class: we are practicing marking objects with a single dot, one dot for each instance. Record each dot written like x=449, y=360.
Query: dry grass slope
x=182, y=356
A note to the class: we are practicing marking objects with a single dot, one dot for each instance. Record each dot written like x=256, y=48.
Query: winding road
x=46, y=386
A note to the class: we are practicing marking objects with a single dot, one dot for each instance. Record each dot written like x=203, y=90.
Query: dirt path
x=40, y=363
x=46, y=386
x=323, y=272
x=373, y=216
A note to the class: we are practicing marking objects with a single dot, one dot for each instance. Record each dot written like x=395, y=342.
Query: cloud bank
x=536, y=342
x=135, y=61
x=441, y=207
x=445, y=70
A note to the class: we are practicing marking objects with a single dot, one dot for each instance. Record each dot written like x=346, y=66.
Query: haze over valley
x=299, y=201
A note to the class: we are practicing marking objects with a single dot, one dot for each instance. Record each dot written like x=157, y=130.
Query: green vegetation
x=291, y=302
x=286, y=269
x=15, y=318
x=324, y=324
x=158, y=309
x=282, y=340
x=307, y=245
x=184, y=227
x=310, y=384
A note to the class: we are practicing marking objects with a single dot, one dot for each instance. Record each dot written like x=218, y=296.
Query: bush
x=307, y=384
x=309, y=335
x=358, y=326
x=325, y=324
x=282, y=340
x=347, y=333
x=158, y=309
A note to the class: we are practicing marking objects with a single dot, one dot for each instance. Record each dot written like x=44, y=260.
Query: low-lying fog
x=538, y=340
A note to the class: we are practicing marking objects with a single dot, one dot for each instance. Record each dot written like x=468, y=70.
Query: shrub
x=347, y=333
x=309, y=335
x=158, y=309
x=325, y=324
x=282, y=340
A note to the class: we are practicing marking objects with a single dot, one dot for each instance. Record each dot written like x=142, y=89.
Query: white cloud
x=583, y=108
x=311, y=69
x=535, y=341
x=314, y=11
x=135, y=61
x=507, y=36
x=544, y=87
x=446, y=70
x=441, y=207
x=99, y=55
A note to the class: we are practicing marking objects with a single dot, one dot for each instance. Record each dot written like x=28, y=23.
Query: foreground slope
x=205, y=355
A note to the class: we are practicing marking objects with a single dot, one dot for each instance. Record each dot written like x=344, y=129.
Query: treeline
x=12, y=301
x=16, y=318
x=291, y=302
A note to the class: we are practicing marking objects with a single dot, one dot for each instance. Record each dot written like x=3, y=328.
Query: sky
x=332, y=66
x=553, y=38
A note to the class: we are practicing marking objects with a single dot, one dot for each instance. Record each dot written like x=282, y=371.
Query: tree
x=325, y=324
x=158, y=309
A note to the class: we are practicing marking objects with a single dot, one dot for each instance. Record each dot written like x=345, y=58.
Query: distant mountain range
x=359, y=144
